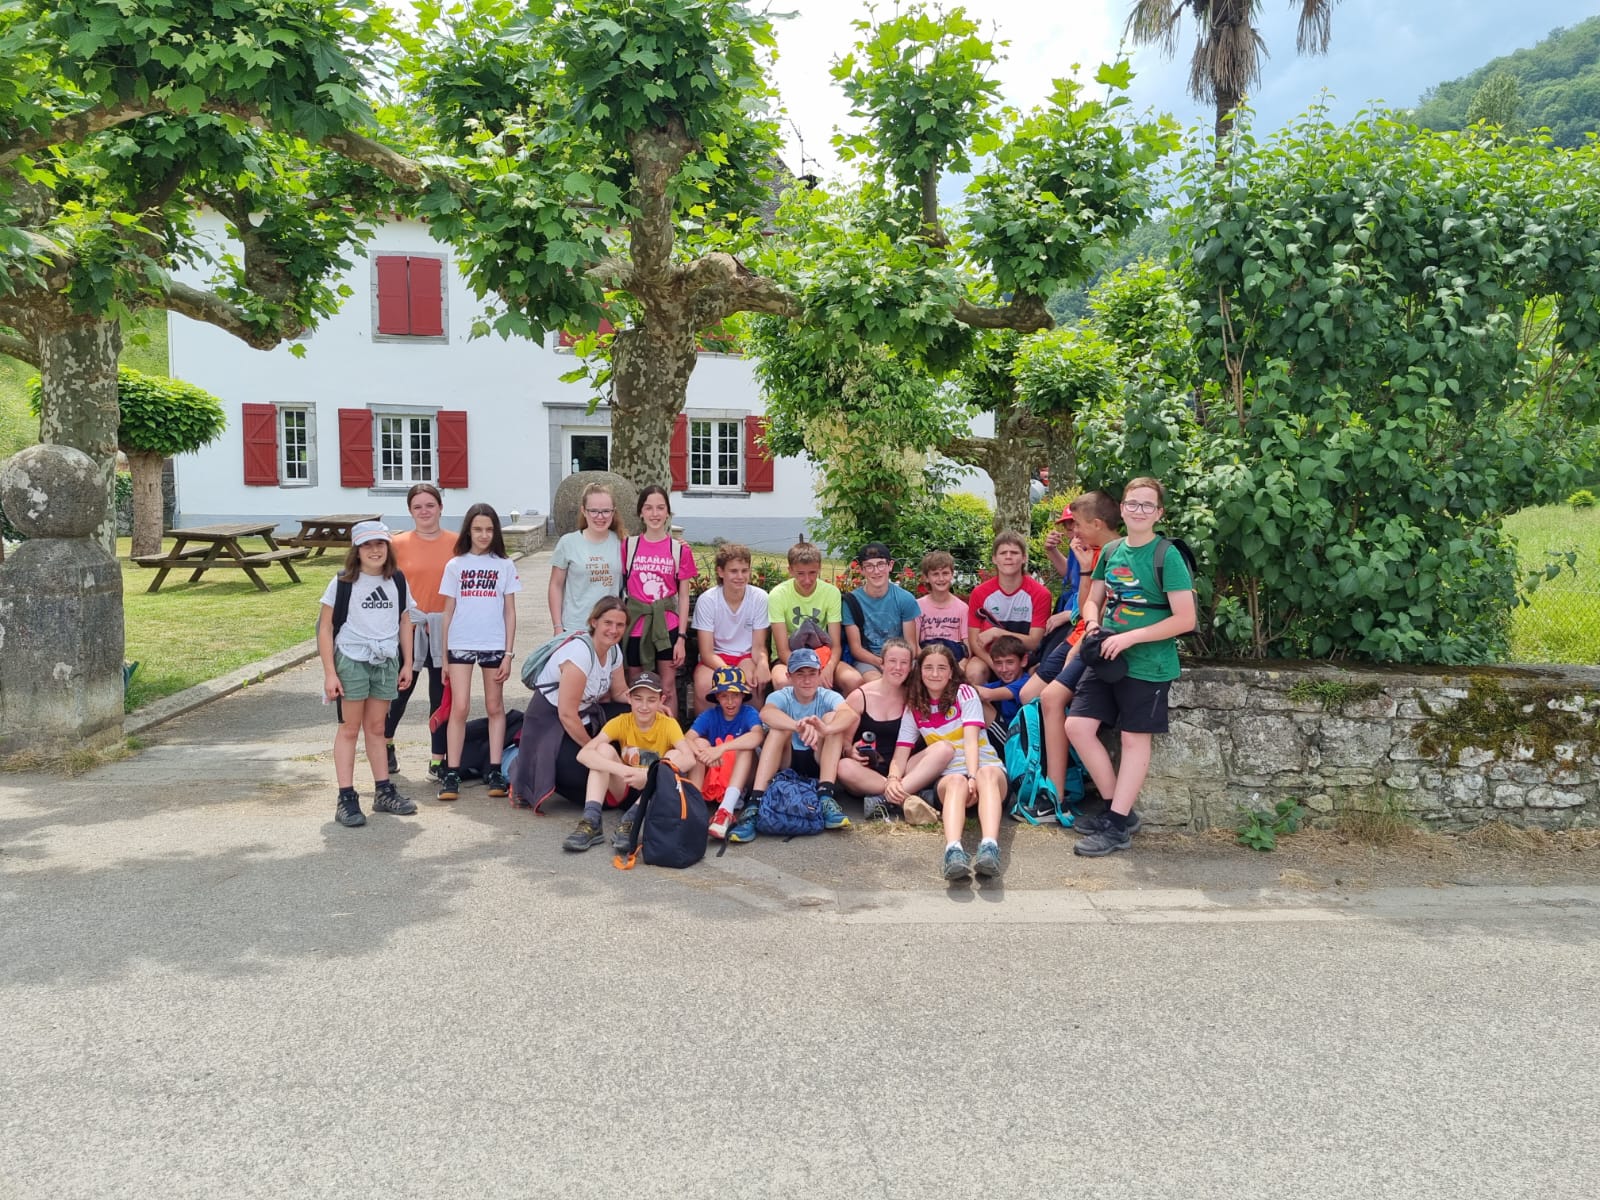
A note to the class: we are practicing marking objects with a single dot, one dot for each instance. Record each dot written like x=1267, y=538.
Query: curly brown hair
x=917, y=697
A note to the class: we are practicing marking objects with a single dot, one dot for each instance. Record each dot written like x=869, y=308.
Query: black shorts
x=804, y=762
x=1129, y=705
x=632, y=651
x=489, y=660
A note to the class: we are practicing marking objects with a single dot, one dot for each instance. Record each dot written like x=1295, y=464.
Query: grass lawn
x=1562, y=624
x=190, y=632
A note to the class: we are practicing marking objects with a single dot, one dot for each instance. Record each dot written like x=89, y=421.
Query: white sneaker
x=720, y=823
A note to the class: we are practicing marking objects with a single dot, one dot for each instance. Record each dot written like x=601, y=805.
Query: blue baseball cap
x=802, y=658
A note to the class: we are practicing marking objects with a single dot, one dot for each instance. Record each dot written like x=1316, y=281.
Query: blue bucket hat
x=727, y=679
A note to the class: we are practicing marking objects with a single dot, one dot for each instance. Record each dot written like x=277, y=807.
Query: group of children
x=783, y=680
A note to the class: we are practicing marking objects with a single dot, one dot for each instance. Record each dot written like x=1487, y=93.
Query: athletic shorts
x=367, y=681
x=489, y=660
x=1129, y=705
x=634, y=650
x=1054, y=668
x=804, y=762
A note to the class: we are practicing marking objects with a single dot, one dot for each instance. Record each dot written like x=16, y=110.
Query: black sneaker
x=1099, y=822
x=388, y=800
x=436, y=769
x=394, y=760
x=588, y=833
x=449, y=785
x=497, y=783
x=623, y=836
x=1108, y=841
x=349, y=813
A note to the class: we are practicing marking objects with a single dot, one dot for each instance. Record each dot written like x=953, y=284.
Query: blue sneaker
x=744, y=829
x=957, y=865
x=832, y=815
x=986, y=864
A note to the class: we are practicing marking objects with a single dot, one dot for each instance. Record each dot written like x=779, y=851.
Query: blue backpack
x=1034, y=798
x=791, y=806
x=671, y=826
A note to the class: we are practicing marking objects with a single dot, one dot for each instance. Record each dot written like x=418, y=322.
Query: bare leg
x=494, y=703
x=927, y=765
x=828, y=754
x=774, y=754
x=373, y=714
x=460, y=709
x=1053, y=704
x=600, y=779
x=702, y=685
x=992, y=786
x=344, y=743
x=1084, y=734
x=953, y=799
x=669, y=686
x=1135, y=766
x=846, y=679
x=976, y=671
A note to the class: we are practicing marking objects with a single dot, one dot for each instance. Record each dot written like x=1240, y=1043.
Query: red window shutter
x=355, y=447
x=757, y=458
x=678, y=453
x=260, y=444
x=452, y=448
x=394, y=295
x=568, y=340
x=427, y=297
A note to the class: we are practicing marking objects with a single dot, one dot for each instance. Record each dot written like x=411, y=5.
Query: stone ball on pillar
x=52, y=492
x=564, y=509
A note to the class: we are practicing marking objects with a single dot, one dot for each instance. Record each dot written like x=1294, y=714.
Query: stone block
x=1188, y=751
x=1401, y=782
x=564, y=508
x=1474, y=756
x=1549, y=797
x=526, y=536
x=1319, y=802
x=1203, y=693
x=1510, y=795
x=1264, y=744
x=1166, y=803
x=1347, y=743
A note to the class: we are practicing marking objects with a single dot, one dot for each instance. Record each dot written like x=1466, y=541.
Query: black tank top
x=885, y=731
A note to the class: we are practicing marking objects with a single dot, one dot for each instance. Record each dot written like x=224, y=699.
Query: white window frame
x=707, y=468
x=308, y=415
x=409, y=474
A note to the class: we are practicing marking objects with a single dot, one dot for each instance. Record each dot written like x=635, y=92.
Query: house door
x=590, y=451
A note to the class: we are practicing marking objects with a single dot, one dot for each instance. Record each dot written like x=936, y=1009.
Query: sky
x=1382, y=50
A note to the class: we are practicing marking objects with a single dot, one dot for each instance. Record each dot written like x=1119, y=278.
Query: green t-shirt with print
x=1128, y=605
x=805, y=618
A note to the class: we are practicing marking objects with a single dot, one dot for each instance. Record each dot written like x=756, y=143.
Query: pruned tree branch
x=201, y=305
x=1025, y=314
x=71, y=129
x=725, y=286
x=19, y=348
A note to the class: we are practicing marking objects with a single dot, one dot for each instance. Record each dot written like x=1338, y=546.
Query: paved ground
x=211, y=989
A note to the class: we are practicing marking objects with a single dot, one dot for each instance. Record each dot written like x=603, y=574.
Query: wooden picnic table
x=323, y=532
x=207, y=547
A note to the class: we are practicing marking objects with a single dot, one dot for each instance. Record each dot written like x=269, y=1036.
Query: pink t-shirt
x=945, y=624
x=652, y=575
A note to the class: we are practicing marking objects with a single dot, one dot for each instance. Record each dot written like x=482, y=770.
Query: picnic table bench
x=207, y=547
x=330, y=531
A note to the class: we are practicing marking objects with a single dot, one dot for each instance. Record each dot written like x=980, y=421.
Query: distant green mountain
x=1557, y=86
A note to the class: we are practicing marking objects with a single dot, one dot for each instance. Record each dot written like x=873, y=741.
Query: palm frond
x=1155, y=23
x=1316, y=25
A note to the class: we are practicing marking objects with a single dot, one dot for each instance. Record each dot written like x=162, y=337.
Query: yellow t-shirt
x=664, y=733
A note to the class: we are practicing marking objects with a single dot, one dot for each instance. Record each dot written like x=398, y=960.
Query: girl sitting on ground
x=866, y=768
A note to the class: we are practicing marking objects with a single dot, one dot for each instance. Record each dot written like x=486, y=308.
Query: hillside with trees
x=1557, y=85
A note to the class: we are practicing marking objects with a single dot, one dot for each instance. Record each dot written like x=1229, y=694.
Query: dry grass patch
x=70, y=763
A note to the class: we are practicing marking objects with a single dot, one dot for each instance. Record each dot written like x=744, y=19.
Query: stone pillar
x=61, y=635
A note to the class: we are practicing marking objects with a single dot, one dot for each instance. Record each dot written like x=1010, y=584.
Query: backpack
x=543, y=653
x=474, y=761
x=341, y=599
x=791, y=806
x=1163, y=544
x=1034, y=798
x=671, y=826
x=630, y=551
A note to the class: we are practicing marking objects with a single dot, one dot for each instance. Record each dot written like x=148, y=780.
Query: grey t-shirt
x=594, y=571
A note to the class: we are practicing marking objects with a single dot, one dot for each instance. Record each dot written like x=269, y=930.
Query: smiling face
x=599, y=510
x=655, y=514
x=1141, y=509
x=805, y=682
x=1007, y=667
x=608, y=628
x=735, y=574
x=940, y=579
x=374, y=556
x=482, y=532
x=425, y=513
x=730, y=703
x=875, y=574
x=896, y=665
x=645, y=702
x=936, y=674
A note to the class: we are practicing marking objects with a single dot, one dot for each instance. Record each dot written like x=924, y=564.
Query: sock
x=436, y=760
x=1118, y=820
x=730, y=799
x=989, y=842
x=494, y=768
x=348, y=793
x=825, y=790
x=948, y=845
x=380, y=784
x=754, y=798
x=591, y=814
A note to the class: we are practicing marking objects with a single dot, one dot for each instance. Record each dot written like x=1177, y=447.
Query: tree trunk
x=1010, y=469
x=650, y=370
x=1063, y=457
x=78, y=394
x=147, y=501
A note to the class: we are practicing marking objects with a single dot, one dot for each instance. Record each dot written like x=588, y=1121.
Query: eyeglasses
x=599, y=512
x=874, y=562
x=1140, y=506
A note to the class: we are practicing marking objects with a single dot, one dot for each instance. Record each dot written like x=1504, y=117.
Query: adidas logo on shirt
x=378, y=598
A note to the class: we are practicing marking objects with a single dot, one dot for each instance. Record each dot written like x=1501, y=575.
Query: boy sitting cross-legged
x=641, y=737
x=1012, y=602
x=731, y=622
x=724, y=741
x=807, y=725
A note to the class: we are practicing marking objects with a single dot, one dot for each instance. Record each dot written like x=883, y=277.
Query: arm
x=836, y=640
x=332, y=689
x=969, y=746
x=780, y=639
x=897, y=767
x=555, y=593
x=1180, y=622
x=1052, y=551
x=444, y=631
x=1033, y=637
x=407, y=649
x=758, y=658
x=841, y=720
x=569, y=699
x=680, y=648
x=1092, y=604
x=503, y=671
x=852, y=636
x=708, y=651
x=591, y=755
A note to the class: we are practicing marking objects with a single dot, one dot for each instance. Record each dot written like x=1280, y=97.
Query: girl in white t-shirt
x=365, y=663
x=480, y=627
x=587, y=562
x=940, y=709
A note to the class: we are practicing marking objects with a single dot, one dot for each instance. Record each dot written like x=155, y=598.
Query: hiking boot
x=497, y=783
x=394, y=759
x=720, y=822
x=1100, y=822
x=874, y=808
x=588, y=833
x=620, y=841
x=832, y=815
x=1107, y=841
x=348, y=813
x=919, y=812
x=744, y=829
x=957, y=865
x=449, y=785
x=388, y=800
x=986, y=863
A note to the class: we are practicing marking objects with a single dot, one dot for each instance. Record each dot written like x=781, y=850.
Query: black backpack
x=341, y=599
x=671, y=827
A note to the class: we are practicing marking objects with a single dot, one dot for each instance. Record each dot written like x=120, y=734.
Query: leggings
x=397, y=706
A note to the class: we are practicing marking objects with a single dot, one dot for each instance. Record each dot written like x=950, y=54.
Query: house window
x=405, y=450
x=409, y=302
x=294, y=445
x=714, y=454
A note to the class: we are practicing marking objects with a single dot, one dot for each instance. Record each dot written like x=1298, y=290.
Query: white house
x=391, y=391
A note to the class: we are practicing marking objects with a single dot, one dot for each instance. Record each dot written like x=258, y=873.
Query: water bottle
x=867, y=747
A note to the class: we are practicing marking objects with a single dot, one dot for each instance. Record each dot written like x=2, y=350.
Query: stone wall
x=1513, y=744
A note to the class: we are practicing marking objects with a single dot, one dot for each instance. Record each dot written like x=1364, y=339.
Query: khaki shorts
x=368, y=681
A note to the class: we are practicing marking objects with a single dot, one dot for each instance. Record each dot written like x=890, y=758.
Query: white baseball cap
x=369, y=531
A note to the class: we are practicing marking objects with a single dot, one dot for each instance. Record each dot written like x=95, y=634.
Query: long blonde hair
x=618, y=525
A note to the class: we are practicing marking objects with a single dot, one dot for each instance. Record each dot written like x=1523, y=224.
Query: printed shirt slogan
x=475, y=581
